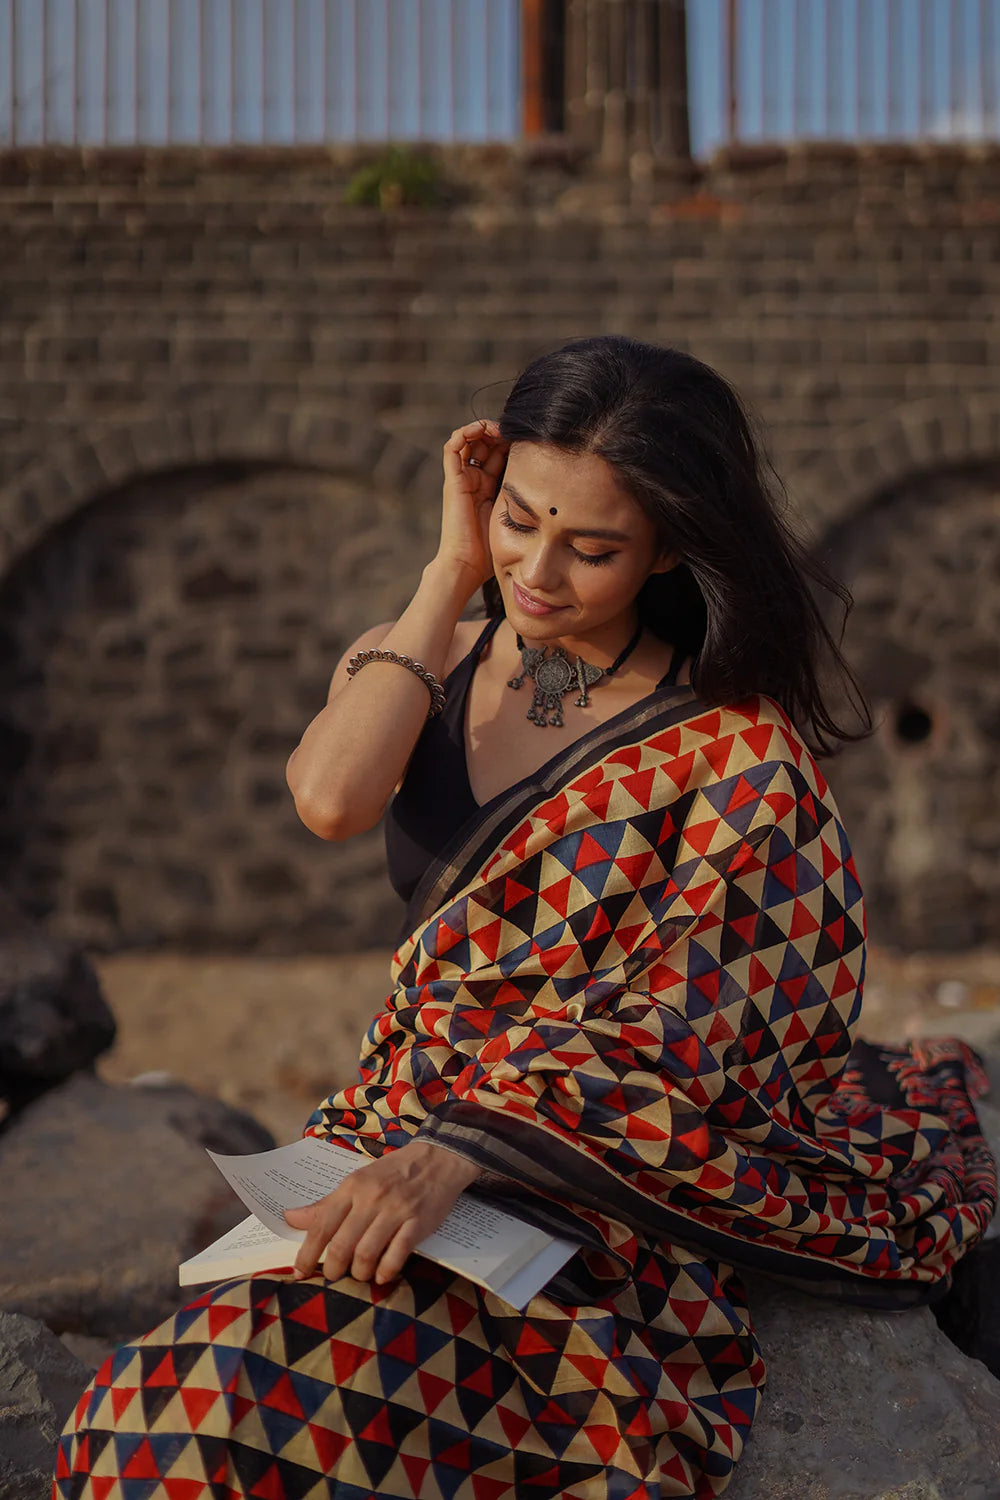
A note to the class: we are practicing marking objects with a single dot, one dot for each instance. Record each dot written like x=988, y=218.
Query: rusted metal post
x=675, y=136
x=732, y=42
x=532, y=41
x=45, y=70
x=15, y=102
x=989, y=122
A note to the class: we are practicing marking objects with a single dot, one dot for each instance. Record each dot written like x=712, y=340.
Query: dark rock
x=39, y=1382
x=90, y=1352
x=53, y=1017
x=864, y=1405
x=970, y=1313
x=105, y=1190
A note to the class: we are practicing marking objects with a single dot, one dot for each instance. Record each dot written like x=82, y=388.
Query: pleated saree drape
x=630, y=994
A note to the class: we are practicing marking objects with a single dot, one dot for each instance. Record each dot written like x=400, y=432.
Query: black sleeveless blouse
x=435, y=798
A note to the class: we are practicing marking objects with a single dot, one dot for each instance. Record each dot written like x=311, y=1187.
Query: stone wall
x=158, y=663
x=222, y=400
x=921, y=797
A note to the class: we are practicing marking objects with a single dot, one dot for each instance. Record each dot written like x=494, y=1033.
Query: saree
x=629, y=992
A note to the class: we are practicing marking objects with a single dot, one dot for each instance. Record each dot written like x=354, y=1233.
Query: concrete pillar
x=626, y=80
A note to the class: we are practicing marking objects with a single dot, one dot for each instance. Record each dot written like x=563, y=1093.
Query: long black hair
x=683, y=445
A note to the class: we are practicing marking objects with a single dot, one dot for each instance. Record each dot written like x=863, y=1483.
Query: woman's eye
x=506, y=520
x=595, y=562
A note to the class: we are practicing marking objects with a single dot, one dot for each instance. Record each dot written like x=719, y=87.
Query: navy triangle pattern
x=644, y=1031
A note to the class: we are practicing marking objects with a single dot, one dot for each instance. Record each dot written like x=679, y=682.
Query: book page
x=288, y=1177
x=476, y=1238
x=246, y=1238
x=534, y=1275
x=248, y=1246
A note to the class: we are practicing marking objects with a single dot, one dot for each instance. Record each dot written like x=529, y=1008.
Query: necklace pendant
x=586, y=676
x=538, y=711
x=546, y=709
x=554, y=677
x=531, y=658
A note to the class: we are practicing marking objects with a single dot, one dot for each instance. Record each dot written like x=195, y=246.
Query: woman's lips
x=533, y=606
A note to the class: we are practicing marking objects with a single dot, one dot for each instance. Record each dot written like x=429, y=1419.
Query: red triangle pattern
x=589, y=853
x=185, y=1489
x=640, y=786
x=695, y=1066
x=198, y=1402
x=558, y=895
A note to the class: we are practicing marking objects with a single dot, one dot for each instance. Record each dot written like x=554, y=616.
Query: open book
x=479, y=1240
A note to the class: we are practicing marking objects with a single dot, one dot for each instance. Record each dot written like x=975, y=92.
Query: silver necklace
x=555, y=675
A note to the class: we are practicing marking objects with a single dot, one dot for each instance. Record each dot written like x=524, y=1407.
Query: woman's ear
x=666, y=562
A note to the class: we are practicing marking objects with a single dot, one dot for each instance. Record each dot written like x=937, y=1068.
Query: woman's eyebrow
x=602, y=535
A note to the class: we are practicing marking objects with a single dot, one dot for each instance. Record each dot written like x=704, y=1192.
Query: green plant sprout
x=397, y=178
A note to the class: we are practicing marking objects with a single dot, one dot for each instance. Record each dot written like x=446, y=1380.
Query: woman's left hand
x=381, y=1212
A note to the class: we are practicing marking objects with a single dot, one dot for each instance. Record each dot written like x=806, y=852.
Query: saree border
x=511, y=1150
x=460, y=859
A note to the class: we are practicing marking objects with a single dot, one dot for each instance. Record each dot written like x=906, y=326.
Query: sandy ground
x=274, y=1036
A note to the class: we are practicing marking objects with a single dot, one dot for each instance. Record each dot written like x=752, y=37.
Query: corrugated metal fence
x=120, y=72
x=158, y=72
x=847, y=69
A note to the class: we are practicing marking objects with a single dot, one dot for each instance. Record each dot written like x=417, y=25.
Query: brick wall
x=189, y=338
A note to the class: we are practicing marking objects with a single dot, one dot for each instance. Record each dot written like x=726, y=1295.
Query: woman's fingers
x=373, y=1221
x=359, y=1243
x=481, y=430
x=327, y=1218
x=375, y=1245
x=495, y=460
x=397, y=1252
x=484, y=440
x=301, y=1218
x=480, y=440
x=345, y=1251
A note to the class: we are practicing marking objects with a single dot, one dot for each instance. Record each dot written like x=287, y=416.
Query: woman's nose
x=539, y=568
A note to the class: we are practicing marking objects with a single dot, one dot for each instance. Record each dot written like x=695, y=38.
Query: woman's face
x=571, y=548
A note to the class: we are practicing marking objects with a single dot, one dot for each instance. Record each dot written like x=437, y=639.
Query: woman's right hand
x=468, y=498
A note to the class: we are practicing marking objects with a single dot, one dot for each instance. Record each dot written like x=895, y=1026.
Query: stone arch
x=142, y=801
x=337, y=437
x=921, y=796
x=866, y=460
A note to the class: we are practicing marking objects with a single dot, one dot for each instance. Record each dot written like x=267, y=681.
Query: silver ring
x=474, y=463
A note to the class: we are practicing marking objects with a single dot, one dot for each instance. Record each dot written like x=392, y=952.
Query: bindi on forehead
x=603, y=533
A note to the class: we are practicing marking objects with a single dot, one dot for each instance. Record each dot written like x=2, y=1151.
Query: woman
x=624, y=1001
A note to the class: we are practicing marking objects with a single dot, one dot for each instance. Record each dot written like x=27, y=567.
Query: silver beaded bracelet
x=427, y=678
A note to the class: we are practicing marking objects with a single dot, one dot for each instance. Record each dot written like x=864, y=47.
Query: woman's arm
x=356, y=749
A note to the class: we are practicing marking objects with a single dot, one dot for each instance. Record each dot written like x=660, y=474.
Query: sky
x=310, y=70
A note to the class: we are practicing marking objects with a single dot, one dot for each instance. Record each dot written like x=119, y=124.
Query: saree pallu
x=629, y=995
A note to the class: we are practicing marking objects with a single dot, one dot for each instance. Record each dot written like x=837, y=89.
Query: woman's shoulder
x=467, y=633
x=756, y=730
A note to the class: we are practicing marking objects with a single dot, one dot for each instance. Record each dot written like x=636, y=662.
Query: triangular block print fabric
x=632, y=998
x=512, y=1405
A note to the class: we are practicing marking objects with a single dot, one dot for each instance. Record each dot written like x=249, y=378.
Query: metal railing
x=847, y=70
x=282, y=72
x=215, y=72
